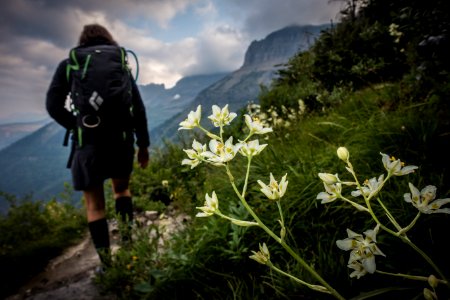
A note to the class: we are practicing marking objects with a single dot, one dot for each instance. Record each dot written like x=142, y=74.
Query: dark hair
x=95, y=32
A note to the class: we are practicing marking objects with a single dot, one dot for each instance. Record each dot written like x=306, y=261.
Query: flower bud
x=343, y=154
x=429, y=295
x=433, y=281
x=283, y=233
x=243, y=223
x=328, y=178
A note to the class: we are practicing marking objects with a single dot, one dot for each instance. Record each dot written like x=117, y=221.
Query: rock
x=151, y=215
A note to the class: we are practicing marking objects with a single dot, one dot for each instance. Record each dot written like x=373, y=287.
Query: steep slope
x=35, y=164
x=262, y=61
x=9, y=133
x=162, y=103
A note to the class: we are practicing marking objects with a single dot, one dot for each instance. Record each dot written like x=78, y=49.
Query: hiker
x=104, y=124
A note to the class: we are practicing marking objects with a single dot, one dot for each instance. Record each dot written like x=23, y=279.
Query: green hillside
x=377, y=84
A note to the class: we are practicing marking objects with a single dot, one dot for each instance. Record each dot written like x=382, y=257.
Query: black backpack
x=101, y=92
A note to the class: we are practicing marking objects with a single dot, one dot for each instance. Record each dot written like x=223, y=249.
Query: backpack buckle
x=90, y=121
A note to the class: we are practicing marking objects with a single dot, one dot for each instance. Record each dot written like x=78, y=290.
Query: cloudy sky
x=172, y=38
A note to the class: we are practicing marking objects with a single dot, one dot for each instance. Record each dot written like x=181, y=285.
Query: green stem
x=425, y=256
x=249, y=209
x=281, y=212
x=279, y=240
x=390, y=216
x=211, y=135
x=412, y=277
x=249, y=135
x=407, y=228
x=318, y=288
x=236, y=221
x=283, y=228
x=354, y=204
x=311, y=270
x=247, y=175
x=399, y=234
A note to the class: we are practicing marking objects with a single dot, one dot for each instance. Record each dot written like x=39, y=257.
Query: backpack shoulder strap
x=137, y=63
x=73, y=63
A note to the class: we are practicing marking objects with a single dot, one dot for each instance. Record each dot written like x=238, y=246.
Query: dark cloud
x=36, y=34
x=260, y=17
x=34, y=19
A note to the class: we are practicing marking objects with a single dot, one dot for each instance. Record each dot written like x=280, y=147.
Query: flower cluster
x=272, y=117
x=394, y=32
x=219, y=152
x=363, y=251
x=364, y=248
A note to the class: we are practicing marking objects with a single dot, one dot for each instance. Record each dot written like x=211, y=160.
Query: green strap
x=80, y=137
x=86, y=64
x=137, y=64
x=70, y=67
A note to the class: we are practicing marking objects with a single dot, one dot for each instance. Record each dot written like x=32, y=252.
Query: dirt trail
x=71, y=275
x=68, y=276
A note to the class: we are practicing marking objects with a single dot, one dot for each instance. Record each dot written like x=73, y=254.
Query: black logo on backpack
x=101, y=86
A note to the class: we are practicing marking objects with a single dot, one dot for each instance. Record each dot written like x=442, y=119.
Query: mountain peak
x=279, y=46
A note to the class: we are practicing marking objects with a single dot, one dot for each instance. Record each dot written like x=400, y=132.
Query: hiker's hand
x=143, y=157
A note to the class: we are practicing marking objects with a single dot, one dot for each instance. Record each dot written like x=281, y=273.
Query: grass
x=32, y=233
x=210, y=258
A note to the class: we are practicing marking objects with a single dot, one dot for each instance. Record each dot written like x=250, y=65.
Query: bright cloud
x=172, y=38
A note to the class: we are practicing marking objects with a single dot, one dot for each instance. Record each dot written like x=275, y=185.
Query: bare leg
x=121, y=187
x=95, y=203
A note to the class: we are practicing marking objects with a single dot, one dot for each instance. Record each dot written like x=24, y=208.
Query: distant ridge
x=11, y=132
x=262, y=61
x=36, y=163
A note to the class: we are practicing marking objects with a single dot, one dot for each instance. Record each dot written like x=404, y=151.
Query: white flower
x=255, y=126
x=221, y=153
x=333, y=191
x=221, y=117
x=396, y=166
x=195, y=155
x=262, y=256
x=210, y=207
x=252, y=148
x=424, y=200
x=328, y=178
x=358, y=268
x=363, y=249
x=274, y=190
x=370, y=187
x=193, y=119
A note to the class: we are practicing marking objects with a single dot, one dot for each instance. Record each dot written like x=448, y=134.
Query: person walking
x=104, y=138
